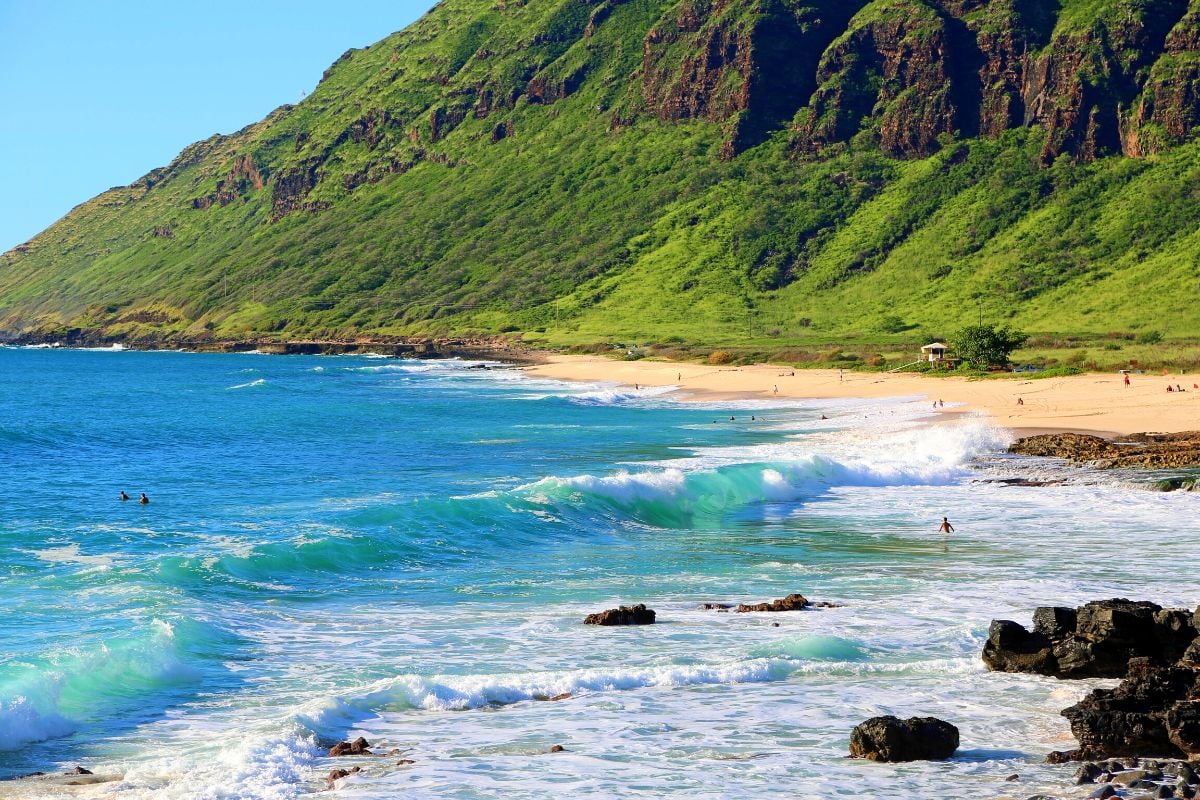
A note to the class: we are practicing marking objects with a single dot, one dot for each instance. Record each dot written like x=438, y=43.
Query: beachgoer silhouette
x=824, y=417
x=941, y=403
x=122, y=495
x=1020, y=401
x=1178, y=388
x=945, y=527
x=777, y=389
x=731, y=419
x=144, y=500
x=752, y=418
x=1127, y=380
x=1169, y=389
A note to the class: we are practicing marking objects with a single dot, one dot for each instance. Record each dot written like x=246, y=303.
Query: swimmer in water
x=143, y=499
x=122, y=495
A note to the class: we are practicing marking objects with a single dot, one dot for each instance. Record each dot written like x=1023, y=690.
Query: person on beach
x=946, y=527
x=1020, y=401
x=143, y=499
x=122, y=495
x=777, y=390
x=1126, y=378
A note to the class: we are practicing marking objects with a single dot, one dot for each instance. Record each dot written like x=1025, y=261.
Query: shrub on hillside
x=720, y=357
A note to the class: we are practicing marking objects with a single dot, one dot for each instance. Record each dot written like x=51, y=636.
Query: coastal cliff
x=646, y=166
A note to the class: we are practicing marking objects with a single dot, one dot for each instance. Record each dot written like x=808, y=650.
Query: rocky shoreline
x=492, y=348
x=1139, y=451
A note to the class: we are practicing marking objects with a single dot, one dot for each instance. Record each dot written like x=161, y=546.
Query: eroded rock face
x=708, y=59
x=909, y=74
x=1097, y=640
x=892, y=66
x=625, y=615
x=913, y=739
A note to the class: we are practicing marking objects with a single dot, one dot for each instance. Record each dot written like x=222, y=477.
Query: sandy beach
x=1090, y=403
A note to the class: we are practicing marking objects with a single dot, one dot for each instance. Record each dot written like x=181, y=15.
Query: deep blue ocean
x=405, y=550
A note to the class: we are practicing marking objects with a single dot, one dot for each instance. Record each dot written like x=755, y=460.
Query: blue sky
x=95, y=93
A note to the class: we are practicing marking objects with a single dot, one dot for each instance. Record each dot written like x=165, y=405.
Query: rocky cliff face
x=1120, y=76
x=708, y=59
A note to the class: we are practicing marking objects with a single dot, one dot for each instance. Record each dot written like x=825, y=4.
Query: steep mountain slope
x=693, y=168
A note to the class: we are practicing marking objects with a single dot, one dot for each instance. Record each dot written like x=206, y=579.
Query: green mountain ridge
x=697, y=169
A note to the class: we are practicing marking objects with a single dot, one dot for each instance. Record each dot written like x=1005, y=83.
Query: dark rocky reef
x=625, y=615
x=913, y=739
x=793, y=602
x=1139, y=450
x=1096, y=640
x=1155, y=711
x=1153, y=776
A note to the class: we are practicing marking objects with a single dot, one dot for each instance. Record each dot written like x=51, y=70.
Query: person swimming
x=143, y=499
x=122, y=495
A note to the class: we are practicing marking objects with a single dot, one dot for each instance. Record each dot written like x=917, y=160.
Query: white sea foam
x=618, y=395
x=258, y=382
x=731, y=477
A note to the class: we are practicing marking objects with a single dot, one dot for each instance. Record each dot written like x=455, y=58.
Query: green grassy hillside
x=655, y=170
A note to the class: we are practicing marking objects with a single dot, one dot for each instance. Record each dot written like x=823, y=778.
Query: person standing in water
x=946, y=527
x=143, y=499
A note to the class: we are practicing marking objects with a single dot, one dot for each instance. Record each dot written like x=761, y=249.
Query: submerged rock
x=913, y=739
x=625, y=615
x=338, y=774
x=356, y=748
x=793, y=602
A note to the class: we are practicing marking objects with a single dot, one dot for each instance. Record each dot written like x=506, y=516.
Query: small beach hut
x=935, y=352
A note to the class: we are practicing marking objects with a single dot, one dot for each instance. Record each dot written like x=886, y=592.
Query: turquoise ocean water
x=345, y=546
